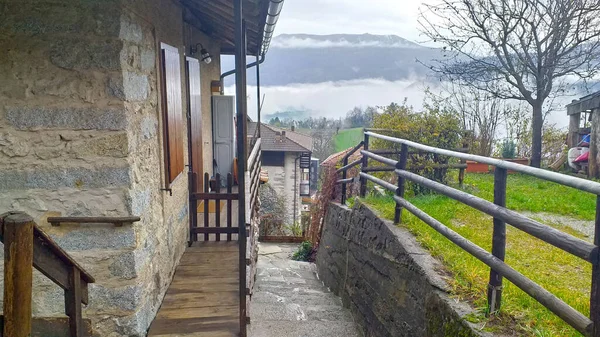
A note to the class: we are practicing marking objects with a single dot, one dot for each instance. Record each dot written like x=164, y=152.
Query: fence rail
x=501, y=216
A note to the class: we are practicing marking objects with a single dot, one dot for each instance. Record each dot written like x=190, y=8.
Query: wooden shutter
x=194, y=92
x=172, y=111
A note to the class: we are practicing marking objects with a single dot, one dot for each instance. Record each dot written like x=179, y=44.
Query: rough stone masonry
x=386, y=279
x=81, y=135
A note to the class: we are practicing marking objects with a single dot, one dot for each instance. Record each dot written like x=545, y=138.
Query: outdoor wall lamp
x=204, y=54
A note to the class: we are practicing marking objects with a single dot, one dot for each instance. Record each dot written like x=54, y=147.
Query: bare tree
x=479, y=111
x=322, y=144
x=532, y=46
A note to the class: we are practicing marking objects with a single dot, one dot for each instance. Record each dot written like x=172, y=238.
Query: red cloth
x=583, y=157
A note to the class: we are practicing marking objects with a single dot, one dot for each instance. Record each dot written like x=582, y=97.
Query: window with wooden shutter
x=172, y=111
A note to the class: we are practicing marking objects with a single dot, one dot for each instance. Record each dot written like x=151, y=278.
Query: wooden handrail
x=117, y=221
x=27, y=246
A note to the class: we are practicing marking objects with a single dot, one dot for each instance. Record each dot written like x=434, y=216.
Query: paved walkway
x=290, y=301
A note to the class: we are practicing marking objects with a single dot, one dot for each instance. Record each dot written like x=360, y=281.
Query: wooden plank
x=216, y=230
x=202, y=272
x=193, y=287
x=198, y=300
x=218, y=209
x=229, y=204
x=117, y=221
x=18, y=274
x=214, y=196
x=206, y=190
x=206, y=326
x=200, y=312
x=193, y=259
x=214, y=247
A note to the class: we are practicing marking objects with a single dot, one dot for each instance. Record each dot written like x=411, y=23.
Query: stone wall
x=386, y=279
x=282, y=181
x=81, y=135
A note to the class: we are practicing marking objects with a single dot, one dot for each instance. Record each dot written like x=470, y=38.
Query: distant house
x=286, y=157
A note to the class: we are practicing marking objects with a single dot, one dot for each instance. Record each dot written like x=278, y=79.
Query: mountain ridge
x=309, y=59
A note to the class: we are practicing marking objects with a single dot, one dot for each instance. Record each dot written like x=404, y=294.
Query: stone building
x=93, y=103
x=281, y=153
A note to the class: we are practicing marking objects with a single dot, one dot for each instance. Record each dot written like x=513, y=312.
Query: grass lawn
x=564, y=275
x=347, y=138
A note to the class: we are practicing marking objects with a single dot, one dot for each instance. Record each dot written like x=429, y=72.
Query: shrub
x=304, y=252
x=435, y=126
x=509, y=149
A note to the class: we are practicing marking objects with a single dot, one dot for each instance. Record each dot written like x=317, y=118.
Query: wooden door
x=195, y=108
x=223, y=135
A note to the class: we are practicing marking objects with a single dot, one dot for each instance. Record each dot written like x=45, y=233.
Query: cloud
x=335, y=99
x=296, y=42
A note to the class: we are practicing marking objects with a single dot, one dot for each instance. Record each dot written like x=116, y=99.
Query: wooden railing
x=217, y=196
x=26, y=246
x=501, y=216
x=249, y=207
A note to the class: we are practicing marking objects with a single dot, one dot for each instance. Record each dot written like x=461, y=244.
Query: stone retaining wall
x=386, y=279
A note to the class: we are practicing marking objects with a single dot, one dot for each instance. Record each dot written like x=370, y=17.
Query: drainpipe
x=232, y=72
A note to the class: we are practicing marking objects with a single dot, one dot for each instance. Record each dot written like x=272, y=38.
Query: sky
x=385, y=17
x=382, y=17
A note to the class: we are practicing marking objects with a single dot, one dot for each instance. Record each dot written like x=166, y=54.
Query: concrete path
x=290, y=301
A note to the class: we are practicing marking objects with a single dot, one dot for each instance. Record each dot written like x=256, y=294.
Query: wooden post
x=73, y=303
x=365, y=164
x=573, y=136
x=344, y=176
x=498, y=241
x=593, y=164
x=595, y=295
x=401, y=182
x=218, y=206
x=206, y=203
x=193, y=204
x=461, y=171
x=18, y=274
x=229, y=204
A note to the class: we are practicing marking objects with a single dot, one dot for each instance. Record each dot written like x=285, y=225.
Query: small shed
x=580, y=111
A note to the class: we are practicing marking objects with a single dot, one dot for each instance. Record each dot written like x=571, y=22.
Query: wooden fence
x=246, y=197
x=501, y=216
x=25, y=247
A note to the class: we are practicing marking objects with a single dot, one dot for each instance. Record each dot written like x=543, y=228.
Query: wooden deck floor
x=203, y=299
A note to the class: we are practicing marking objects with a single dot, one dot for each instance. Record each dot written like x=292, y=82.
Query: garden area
x=564, y=275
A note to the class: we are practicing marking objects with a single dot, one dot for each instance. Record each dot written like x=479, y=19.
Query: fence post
x=73, y=303
x=595, y=295
x=401, y=165
x=461, y=172
x=498, y=241
x=193, y=204
x=344, y=176
x=365, y=164
x=18, y=274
